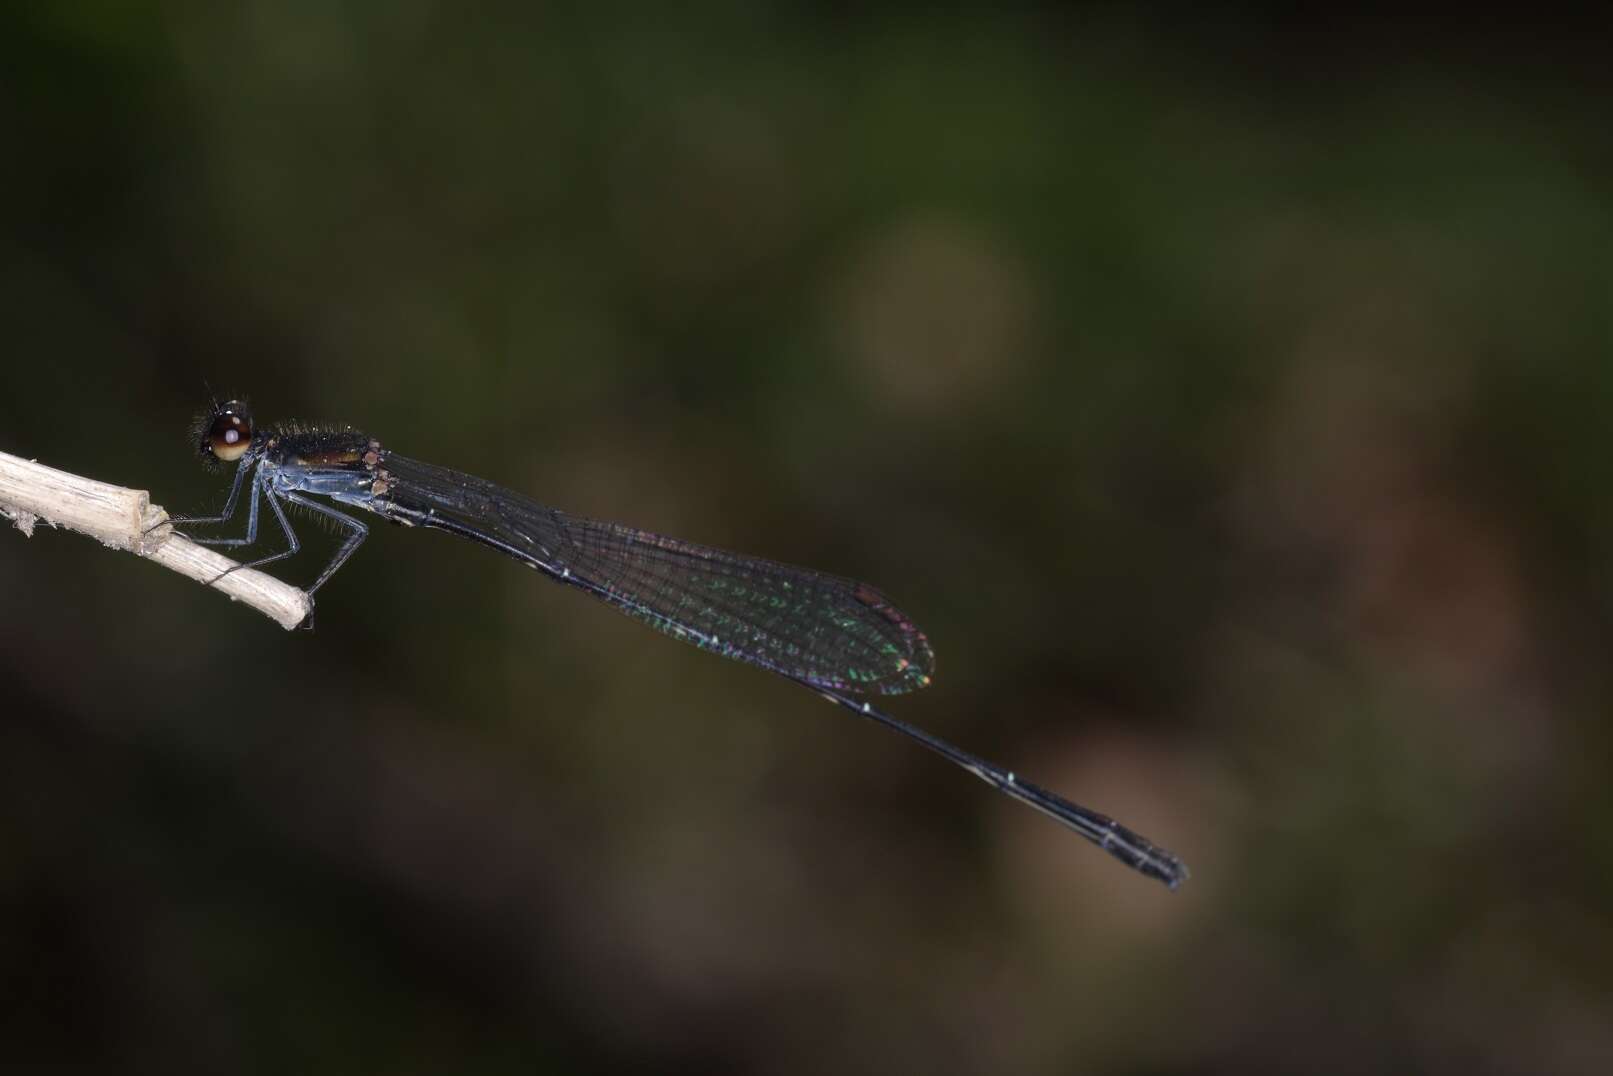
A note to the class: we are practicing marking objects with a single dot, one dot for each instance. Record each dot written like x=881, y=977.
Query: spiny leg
x=285, y=525
x=229, y=504
x=357, y=532
x=251, y=521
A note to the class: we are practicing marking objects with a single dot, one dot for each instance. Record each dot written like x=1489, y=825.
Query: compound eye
x=230, y=436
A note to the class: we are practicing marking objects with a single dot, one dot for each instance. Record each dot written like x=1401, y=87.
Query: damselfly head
x=223, y=433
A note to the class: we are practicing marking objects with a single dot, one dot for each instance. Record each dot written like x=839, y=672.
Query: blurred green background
x=1227, y=401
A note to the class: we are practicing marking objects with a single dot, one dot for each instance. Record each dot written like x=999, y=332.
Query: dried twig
x=123, y=519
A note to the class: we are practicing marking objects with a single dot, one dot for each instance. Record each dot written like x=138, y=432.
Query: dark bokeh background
x=1229, y=402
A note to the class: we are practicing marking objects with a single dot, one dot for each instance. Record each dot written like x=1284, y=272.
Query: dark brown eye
x=229, y=436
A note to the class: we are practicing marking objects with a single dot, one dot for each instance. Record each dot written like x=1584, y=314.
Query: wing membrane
x=826, y=630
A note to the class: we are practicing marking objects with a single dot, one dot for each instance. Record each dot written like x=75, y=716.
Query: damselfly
x=837, y=637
